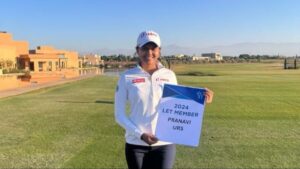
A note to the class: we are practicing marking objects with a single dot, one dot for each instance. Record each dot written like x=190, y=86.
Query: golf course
x=253, y=122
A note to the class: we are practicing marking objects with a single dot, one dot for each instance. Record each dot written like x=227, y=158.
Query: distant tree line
x=118, y=58
x=121, y=57
x=169, y=60
x=247, y=56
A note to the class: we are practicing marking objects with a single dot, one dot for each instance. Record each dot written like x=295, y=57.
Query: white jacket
x=143, y=91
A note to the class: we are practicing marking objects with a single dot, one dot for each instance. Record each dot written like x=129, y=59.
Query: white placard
x=180, y=114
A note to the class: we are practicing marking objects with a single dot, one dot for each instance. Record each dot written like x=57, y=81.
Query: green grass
x=254, y=122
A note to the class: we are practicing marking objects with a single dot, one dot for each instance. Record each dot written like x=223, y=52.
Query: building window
x=40, y=66
x=49, y=66
x=31, y=66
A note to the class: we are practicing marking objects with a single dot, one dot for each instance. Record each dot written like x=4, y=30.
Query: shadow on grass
x=106, y=102
x=97, y=101
x=197, y=74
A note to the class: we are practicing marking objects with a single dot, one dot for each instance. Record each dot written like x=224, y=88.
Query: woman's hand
x=208, y=95
x=149, y=138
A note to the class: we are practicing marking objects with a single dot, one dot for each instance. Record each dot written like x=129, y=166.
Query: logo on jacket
x=162, y=79
x=140, y=80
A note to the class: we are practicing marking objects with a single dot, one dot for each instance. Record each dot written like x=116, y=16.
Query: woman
x=142, y=87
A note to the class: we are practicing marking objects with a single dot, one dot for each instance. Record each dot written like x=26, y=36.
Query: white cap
x=148, y=36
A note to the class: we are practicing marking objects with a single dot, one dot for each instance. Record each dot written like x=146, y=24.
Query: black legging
x=152, y=157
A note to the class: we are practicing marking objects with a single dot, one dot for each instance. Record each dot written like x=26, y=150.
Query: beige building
x=47, y=58
x=179, y=56
x=215, y=56
x=11, y=50
x=16, y=54
x=194, y=58
x=92, y=60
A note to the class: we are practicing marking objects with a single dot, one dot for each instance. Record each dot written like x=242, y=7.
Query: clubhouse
x=16, y=55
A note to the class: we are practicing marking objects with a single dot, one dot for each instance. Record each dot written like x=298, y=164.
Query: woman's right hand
x=149, y=138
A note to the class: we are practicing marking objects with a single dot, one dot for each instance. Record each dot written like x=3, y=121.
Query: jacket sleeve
x=121, y=118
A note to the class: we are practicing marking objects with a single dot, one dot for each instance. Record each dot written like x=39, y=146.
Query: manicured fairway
x=254, y=122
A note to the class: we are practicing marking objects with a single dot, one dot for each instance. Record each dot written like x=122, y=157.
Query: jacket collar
x=159, y=66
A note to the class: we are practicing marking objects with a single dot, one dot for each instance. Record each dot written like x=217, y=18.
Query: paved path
x=21, y=90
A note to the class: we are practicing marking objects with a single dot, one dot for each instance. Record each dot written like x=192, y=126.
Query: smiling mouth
x=149, y=57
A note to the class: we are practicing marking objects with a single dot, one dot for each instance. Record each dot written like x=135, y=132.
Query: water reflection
x=8, y=82
x=113, y=72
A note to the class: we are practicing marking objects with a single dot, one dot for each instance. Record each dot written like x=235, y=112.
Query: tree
x=9, y=63
x=2, y=63
x=244, y=56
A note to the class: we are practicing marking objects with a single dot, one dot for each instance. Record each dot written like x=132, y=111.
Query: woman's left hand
x=208, y=95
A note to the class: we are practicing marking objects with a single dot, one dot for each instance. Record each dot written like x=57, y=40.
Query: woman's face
x=149, y=54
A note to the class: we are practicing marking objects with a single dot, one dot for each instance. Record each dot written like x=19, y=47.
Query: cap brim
x=142, y=44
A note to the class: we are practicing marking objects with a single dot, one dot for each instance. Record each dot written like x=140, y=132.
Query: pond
x=13, y=81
